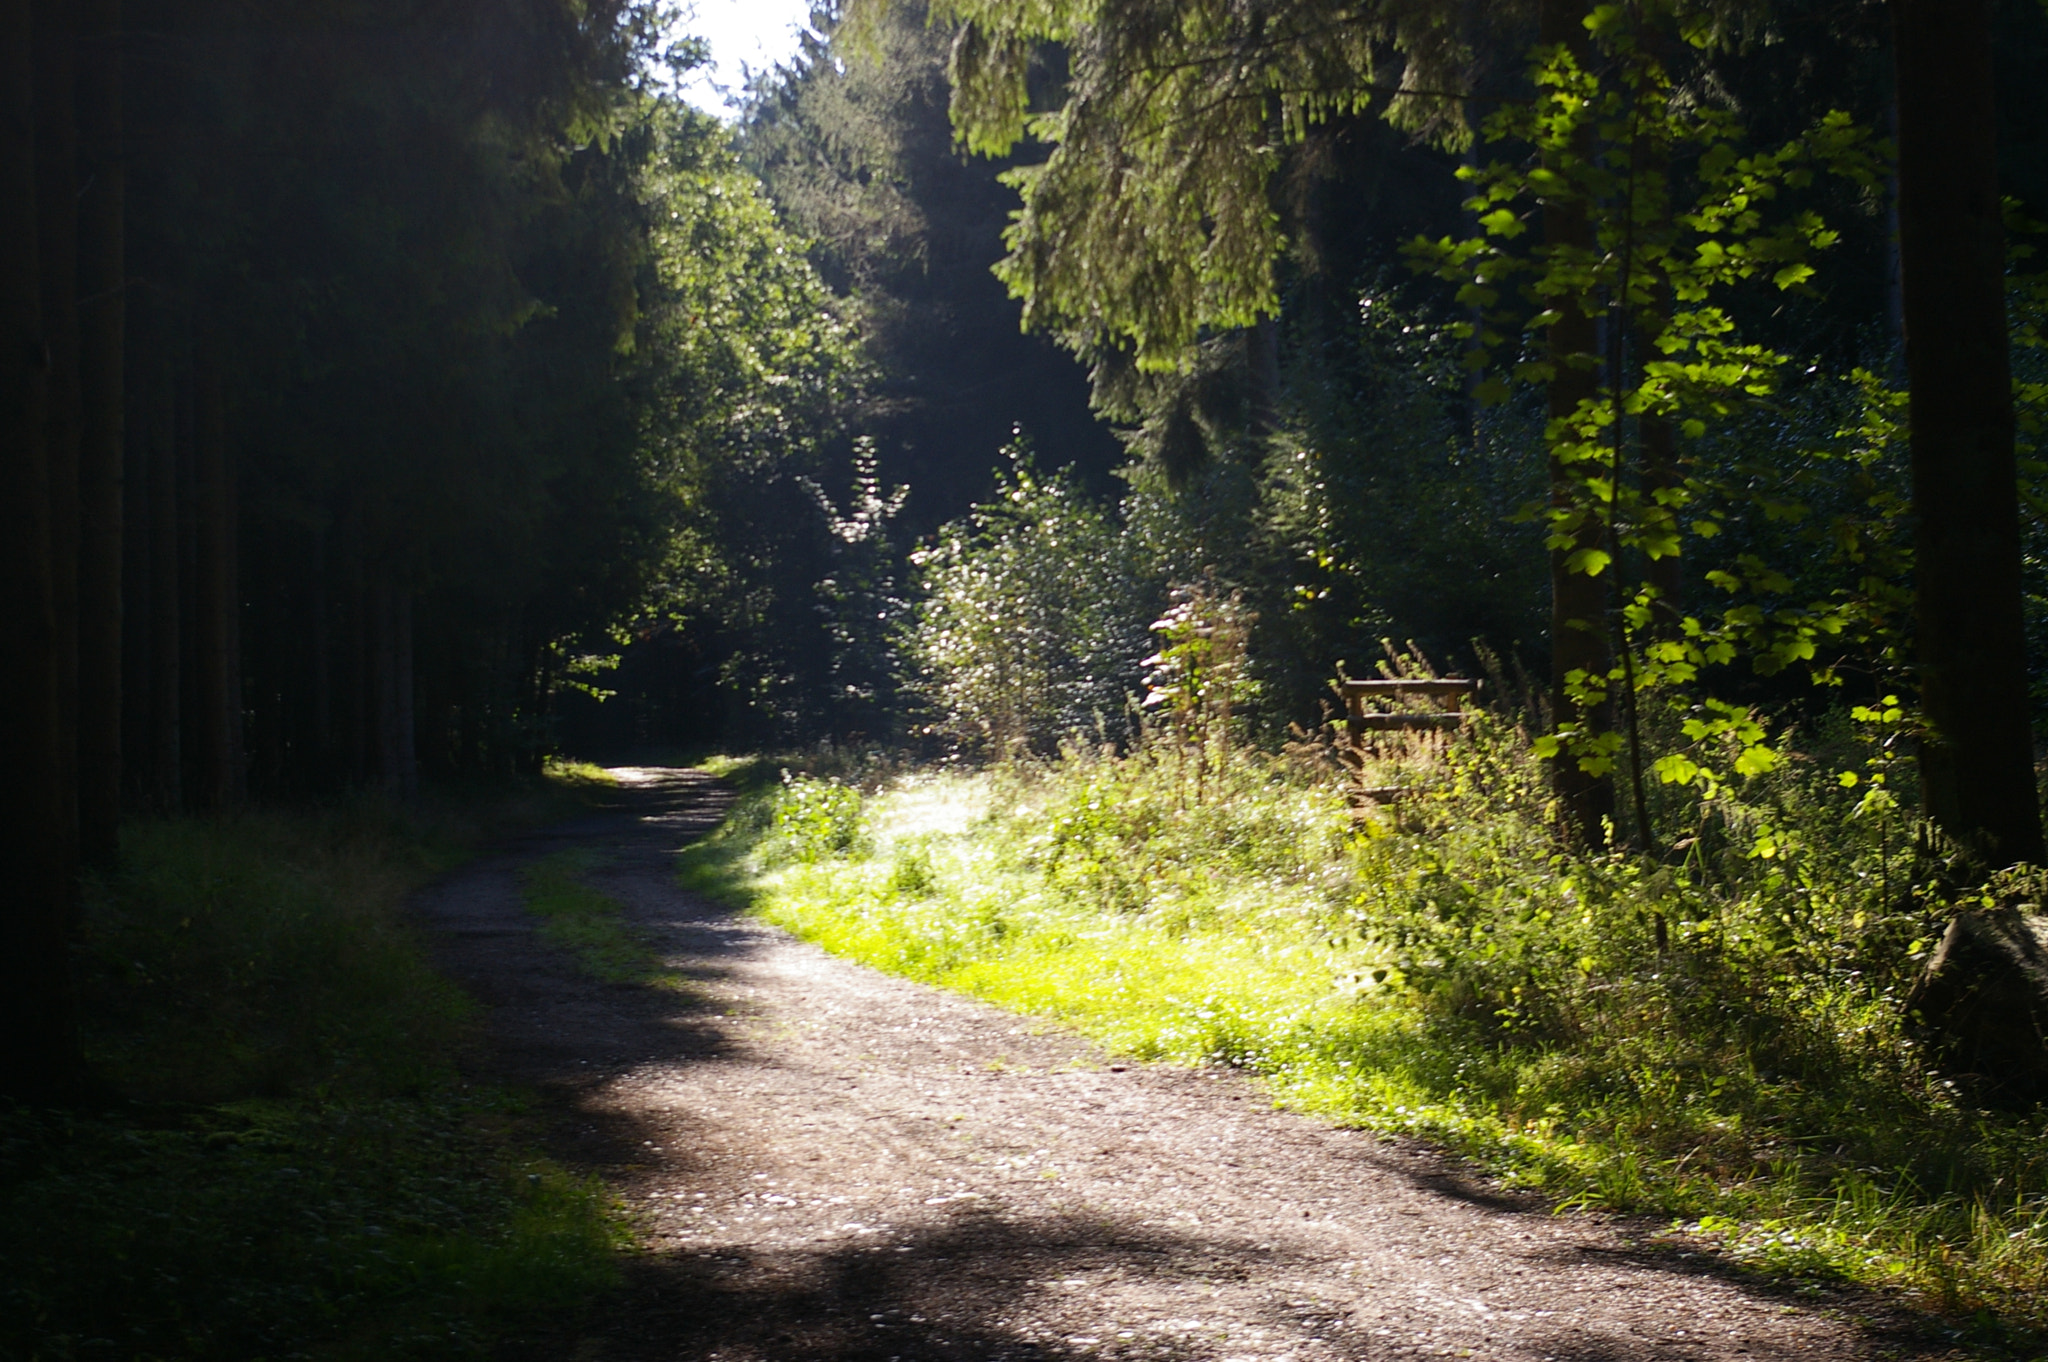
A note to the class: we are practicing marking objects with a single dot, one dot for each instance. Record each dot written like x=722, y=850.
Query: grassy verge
x=588, y=924
x=1716, y=1041
x=287, y=1163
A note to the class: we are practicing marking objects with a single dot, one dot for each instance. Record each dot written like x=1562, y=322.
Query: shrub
x=1034, y=619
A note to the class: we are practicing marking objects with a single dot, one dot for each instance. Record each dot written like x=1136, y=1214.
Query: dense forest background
x=1331, y=462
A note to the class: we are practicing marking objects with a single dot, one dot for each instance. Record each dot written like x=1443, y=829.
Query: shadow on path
x=823, y=1162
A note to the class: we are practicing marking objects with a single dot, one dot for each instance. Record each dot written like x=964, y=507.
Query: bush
x=817, y=820
x=1034, y=621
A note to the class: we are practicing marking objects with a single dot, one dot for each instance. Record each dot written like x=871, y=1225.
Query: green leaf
x=1592, y=562
x=1754, y=761
x=1676, y=769
x=1503, y=222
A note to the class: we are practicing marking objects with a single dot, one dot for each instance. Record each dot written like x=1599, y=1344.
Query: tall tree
x=57, y=208
x=1977, y=756
x=853, y=144
x=102, y=286
x=38, y=1052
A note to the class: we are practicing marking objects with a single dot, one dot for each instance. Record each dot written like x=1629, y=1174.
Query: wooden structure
x=1364, y=722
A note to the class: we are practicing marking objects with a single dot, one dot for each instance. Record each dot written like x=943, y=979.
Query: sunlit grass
x=590, y=925
x=569, y=771
x=1454, y=978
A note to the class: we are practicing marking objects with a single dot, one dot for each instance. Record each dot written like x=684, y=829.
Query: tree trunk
x=217, y=701
x=57, y=210
x=165, y=756
x=403, y=779
x=356, y=715
x=320, y=664
x=1578, y=602
x=1977, y=756
x=38, y=1034
x=383, y=673
x=138, y=604
x=102, y=292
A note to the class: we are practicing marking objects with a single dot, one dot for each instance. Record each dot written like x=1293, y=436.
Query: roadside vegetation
x=283, y=1157
x=588, y=924
x=1717, y=1041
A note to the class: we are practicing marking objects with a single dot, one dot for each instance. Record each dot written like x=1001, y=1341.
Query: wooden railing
x=1362, y=725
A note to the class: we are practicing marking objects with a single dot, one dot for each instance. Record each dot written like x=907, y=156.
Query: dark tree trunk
x=1262, y=354
x=383, y=678
x=403, y=779
x=356, y=673
x=1977, y=758
x=102, y=292
x=1578, y=602
x=185, y=465
x=320, y=665
x=138, y=604
x=217, y=700
x=165, y=755
x=57, y=210
x=38, y=1035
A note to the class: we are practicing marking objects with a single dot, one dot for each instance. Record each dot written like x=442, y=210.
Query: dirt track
x=829, y=1163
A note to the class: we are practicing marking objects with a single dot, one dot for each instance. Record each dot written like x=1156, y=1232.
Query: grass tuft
x=588, y=924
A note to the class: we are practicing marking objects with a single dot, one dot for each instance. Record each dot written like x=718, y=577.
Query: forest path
x=829, y=1163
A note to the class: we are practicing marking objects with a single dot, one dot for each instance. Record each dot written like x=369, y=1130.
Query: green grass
x=588, y=924
x=1455, y=978
x=574, y=774
x=286, y=1161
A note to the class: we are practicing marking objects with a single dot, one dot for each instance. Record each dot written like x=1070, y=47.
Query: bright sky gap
x=745, y=36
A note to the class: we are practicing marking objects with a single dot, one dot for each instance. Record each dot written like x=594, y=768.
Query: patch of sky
x=746, y=38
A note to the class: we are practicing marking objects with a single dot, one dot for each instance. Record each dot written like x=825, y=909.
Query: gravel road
x=824, y=1162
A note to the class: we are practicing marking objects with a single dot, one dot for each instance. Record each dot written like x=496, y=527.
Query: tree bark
x=102, y=292
x=404, y=778
x=138, y=604
x=383, y=676
x=38, y=1033
x=165, y=756
x=57, y=211
x=217, y=701
x=320, y=663
x=1578, y=602
x=1977, y=756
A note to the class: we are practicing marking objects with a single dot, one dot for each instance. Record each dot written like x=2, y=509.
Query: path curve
x=825, y=1162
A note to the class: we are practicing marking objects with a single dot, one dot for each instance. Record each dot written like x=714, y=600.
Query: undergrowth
x=284, y=1160
x=1715, y=1038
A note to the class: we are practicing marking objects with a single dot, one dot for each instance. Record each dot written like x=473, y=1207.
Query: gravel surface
x=827, y=1162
